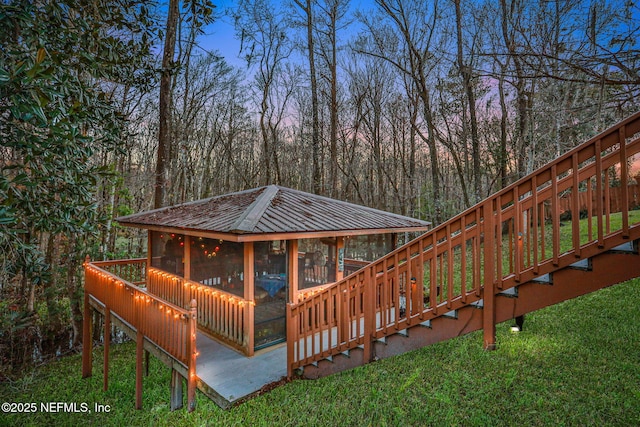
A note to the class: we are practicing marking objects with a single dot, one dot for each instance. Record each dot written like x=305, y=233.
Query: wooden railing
x=350, y=266
x=220, y=313
x=169, y=326
x=131, y=270
x=587, y=199
x=509, y=238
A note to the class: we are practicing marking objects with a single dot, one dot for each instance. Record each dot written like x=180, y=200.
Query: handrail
x=219, y=313
x=168, y=326
x=509, y=238
x=162, y=322
x=131, y=270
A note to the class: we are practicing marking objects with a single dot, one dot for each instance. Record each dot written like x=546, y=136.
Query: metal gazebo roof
x=271, y=213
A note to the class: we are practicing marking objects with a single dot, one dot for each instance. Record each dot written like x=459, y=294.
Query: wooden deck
x=229, y=377
x=226, y=376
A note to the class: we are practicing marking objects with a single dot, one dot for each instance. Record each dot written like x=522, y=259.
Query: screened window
x=316, y=262
x=167, y=252
x=218, y=263
x=368, y=247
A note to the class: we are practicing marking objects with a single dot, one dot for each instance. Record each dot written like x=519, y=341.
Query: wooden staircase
x=511, y=254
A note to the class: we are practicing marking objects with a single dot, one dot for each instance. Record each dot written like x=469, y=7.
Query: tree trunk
x=316, y=178
x=502, y=161
x=465, y=73
x=75, y=291
x=164, y=134
x=333, y=137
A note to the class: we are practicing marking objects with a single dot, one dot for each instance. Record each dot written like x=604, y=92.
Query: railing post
x=369, y=314
x=624, y=181
x=290, y=324
x=192, y=353
x=87, y=342
x=575, y=205
x=488, y=314
x=555, y=215
x=139, y=353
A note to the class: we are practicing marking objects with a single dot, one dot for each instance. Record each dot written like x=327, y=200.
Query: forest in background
x=419, y=108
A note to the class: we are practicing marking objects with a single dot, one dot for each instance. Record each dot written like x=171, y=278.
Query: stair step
x=626, y=248
x=453, y=314
x=426, y=323
x=477, y=304
x=545, y=278
x=583, y=264
x=510, y=293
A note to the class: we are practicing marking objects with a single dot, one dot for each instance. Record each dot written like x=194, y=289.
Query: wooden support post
x=149, y=253
x=339, y=258
x=193, y=354
x=187, y=257
x=107, y=342
x=139, y=351
x=489, y=314
x=249, y=290
x=87, y=339
x=294, y=284
x=176, y=390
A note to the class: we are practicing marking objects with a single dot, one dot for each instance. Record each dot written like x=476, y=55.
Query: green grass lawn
x=576, y=363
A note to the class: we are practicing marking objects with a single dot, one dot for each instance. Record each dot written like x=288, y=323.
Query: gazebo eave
x=265, y=237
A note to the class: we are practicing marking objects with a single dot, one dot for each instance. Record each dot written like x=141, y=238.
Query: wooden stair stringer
x=442, y=328
x=338, y=363
x=608, y=269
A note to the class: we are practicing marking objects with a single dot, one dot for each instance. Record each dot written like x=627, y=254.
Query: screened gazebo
x=243, y=256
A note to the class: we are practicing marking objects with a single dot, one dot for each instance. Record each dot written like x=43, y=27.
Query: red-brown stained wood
x=524, y=208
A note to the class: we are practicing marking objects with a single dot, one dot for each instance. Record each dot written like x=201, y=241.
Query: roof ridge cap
x=248, y=221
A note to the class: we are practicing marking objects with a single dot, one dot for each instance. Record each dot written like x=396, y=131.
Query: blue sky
x=221, y=35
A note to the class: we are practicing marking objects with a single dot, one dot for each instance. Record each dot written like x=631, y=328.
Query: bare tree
x=415, y=57
x=466, y=72
x=331, y=17
x=307, y=10
x=264, y=41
